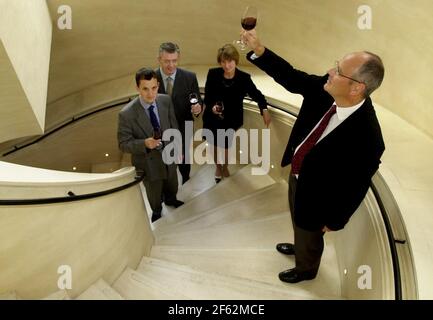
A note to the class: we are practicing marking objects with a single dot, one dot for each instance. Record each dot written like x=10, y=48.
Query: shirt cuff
x=254, y=56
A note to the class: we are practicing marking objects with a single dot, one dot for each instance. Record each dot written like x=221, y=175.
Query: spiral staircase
x=219, y=245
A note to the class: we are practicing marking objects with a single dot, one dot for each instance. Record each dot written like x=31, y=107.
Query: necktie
x=169, y=88
x=153, y=118
x=312, y=139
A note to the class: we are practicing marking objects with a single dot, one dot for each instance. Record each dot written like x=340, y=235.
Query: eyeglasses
x=338, y=73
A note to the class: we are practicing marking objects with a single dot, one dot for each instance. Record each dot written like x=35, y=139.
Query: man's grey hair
x=371, y=73
x=169, y=47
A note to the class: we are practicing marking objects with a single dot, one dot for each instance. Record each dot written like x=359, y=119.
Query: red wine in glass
x=219, y=107
x=157, y=133
x=249, y=23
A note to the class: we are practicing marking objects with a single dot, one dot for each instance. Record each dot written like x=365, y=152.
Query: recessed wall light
x=74, y=168
x=107, y=155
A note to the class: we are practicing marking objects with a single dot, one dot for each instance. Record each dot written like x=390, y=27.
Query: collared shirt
x=336, y=119
x=341, y=115
x=146, y=108
x=164, y=77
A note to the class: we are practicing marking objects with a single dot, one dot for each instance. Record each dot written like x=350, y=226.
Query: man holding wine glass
x=334, y=148
x=182, y=86
x=141, y=125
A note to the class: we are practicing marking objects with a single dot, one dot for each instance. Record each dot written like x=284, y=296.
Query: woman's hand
x=266, y=118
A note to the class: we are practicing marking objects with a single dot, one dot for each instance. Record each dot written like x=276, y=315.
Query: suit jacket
x=134, y=127
x=336, y=174
x=184, y=84
x=232, y=93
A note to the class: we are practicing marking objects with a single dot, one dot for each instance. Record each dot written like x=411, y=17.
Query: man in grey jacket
x=141, y=125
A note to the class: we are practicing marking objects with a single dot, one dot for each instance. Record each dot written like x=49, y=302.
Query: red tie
x=309, y=143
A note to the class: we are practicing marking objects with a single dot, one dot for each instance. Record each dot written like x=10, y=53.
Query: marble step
x=100, y=290
x=9, y=295
x=134, y=285
x=58, y=295
x=262, y=265
x=238, y=185
x=259, y=233
x=265, y=202
x=185, y=281
x=202, y=179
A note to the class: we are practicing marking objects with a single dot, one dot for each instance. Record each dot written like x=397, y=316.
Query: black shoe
x=286, y=248
x=155, y=216
x=294, y=276
x=176, y=203
x=218, y=179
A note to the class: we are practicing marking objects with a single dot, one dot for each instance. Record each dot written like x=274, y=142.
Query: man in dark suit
x=141, y=125
x=179, y=84
x=334, y=147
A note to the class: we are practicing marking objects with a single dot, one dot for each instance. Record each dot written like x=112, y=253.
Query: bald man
x=334, y=148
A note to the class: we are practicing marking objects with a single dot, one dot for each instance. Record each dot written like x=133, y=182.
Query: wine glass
x=219, y=107
x=193, y=99
x=248, y=22
x=157, y=134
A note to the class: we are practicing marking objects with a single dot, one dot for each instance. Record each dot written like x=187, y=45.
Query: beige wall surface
x=110, y=39
x=17, y=118
x=96, y=238
x=25, y=31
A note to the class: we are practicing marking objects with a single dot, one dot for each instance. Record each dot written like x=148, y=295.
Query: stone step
x=100, y=290
x=134, y=285
x=58, y=295
x=9, y=295
x=265, y=202
x=260, y=234
x=238, y=185
x=262, y=265
x=184, y=281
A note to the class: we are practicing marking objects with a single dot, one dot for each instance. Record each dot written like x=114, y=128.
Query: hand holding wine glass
x=195, y=106
x=157, y=135
x=218, y=109
x=248, y=22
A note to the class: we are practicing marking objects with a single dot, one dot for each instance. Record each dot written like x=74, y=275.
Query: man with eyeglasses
x=334, y=148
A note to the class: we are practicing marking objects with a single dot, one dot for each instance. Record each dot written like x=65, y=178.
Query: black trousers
x=308, y=244
x=185, y=168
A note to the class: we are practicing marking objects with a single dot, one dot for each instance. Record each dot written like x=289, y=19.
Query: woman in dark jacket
x=228, y=85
